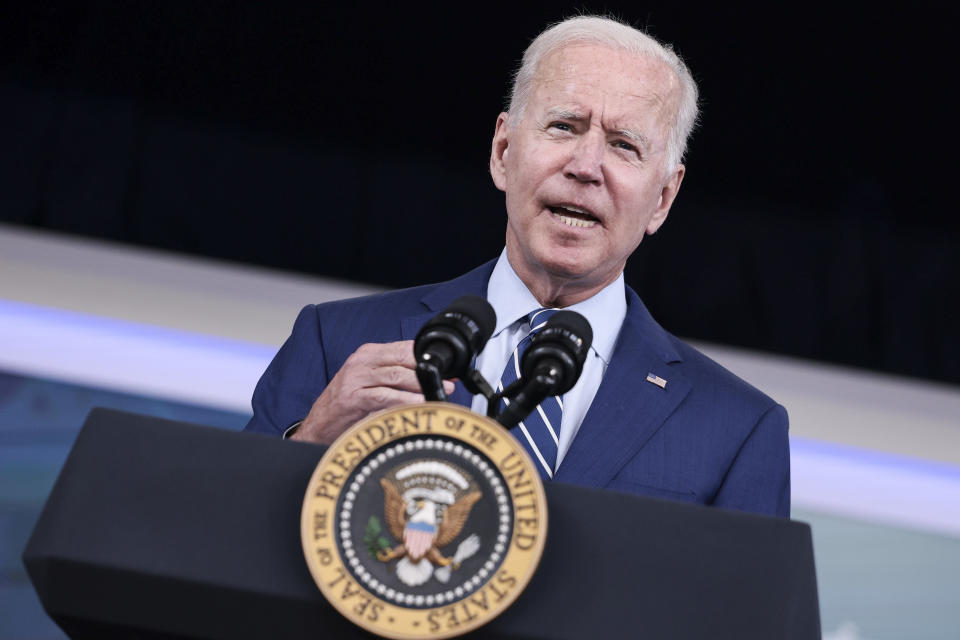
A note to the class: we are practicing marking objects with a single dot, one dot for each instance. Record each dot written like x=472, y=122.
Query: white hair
x=616, y=35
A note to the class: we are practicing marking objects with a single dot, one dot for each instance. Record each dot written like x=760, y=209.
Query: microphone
x=550, y=366
x=448, y=342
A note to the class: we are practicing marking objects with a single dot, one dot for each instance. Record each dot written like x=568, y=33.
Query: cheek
x=641, y=203
x=529, y=166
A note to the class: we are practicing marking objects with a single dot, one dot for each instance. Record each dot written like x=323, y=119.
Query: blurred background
x=178, y=179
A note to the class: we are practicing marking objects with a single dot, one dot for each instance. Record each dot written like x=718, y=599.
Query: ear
x=667, y=193
x=498, y=151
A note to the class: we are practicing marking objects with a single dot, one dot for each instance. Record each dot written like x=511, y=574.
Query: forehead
x=595, y=77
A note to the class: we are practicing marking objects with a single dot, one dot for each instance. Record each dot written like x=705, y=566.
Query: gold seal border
x=319, y=519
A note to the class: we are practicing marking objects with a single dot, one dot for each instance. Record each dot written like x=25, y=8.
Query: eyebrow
x=638, y=138
x=567, y=114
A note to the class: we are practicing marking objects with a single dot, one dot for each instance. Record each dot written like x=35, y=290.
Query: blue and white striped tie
x=539, y=432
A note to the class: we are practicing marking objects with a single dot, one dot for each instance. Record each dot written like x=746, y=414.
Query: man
x=589, y=157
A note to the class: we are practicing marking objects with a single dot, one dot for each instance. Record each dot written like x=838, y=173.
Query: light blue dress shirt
x=512, y=301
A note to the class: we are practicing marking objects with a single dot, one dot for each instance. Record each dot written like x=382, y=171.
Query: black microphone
x=448, y=342
x=550, y=366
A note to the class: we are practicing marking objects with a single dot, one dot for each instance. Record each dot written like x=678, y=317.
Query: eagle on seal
x=423, y=532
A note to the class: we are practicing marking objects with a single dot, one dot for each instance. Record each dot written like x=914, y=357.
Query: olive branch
x=373, y=537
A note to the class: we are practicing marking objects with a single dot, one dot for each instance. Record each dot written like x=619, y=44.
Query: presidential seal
x=423, y=521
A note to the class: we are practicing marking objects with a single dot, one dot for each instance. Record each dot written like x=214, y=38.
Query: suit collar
x=648, y=330
x=473, y=282
x=440, y=296
x=628, y=409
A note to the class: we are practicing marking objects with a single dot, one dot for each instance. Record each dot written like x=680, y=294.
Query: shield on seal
x=418, y=538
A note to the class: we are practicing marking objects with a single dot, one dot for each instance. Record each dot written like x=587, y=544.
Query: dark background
x=817, y=217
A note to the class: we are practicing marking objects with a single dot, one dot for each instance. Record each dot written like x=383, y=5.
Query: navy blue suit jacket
x=708, y=437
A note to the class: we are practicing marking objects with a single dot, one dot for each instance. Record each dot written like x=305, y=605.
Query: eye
x=626, y=146
x=560, y=126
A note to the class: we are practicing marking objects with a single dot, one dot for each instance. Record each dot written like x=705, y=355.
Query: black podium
x=158, y=529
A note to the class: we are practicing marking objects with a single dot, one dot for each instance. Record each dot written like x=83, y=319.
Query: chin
x=566, y=263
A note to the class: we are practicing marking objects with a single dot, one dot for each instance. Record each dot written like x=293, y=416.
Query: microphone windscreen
x=574, y=323
x=478, y=310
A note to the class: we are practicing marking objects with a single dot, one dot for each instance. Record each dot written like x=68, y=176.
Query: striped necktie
x=539, y=432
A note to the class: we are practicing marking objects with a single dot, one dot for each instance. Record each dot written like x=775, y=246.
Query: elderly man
x=589, y=157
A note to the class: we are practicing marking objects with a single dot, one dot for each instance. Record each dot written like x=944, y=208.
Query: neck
x=556, y=290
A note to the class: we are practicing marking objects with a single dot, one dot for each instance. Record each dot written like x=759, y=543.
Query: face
x=584, y=169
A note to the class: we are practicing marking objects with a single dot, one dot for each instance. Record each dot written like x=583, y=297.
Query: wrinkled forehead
x=595, y=73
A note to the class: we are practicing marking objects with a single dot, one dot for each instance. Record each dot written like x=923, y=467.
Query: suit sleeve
x=293, y=380
x=758, y=481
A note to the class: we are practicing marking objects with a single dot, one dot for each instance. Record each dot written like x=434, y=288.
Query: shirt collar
x=605, y=310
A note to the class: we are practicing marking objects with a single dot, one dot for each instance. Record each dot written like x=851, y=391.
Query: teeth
x=575, y=222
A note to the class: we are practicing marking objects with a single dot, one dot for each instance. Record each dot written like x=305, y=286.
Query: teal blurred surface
x=39, y=420
x=884, y=583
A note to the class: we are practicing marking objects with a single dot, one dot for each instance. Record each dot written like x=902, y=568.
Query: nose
x=586, y=161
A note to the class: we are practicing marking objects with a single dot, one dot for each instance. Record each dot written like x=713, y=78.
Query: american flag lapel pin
x=657, y=380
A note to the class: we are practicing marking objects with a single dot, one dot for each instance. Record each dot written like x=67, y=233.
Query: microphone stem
x=428, y=375
x=527, y=399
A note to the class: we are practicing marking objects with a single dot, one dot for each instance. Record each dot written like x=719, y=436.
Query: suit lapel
x=627, y=410
x=437, y=299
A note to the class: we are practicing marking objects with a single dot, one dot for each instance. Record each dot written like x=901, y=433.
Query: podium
x=159, y=529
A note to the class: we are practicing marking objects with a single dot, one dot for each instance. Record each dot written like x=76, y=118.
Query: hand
x=374, y=377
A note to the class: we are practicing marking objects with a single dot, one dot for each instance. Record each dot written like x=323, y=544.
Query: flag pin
x=657, y=380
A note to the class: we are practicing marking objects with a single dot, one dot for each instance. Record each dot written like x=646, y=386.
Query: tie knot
x=538, y=317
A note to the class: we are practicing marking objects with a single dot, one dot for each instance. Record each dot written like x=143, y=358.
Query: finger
x=394, y=376
x=388, y=353
x=397, y=377
x=378, y=398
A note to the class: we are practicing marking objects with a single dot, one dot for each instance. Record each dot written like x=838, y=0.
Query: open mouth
x=574, y=216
